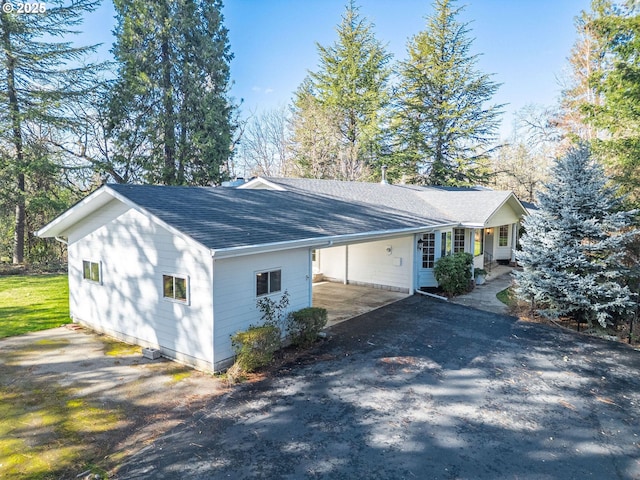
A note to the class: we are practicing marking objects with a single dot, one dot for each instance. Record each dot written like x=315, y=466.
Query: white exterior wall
x=385, y=263
x=234, y=292
x=504, y=216
x=332, y=263
x=502, y=253
x=134, y=253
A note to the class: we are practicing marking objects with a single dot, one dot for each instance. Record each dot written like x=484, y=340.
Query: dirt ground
x=125, y=402
x=417, y=389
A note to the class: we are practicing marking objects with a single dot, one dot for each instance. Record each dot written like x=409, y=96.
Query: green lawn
x=32, y=302
x=506, y=296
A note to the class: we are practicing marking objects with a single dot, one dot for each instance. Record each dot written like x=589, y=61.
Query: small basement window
x=175, y=287
x=268, y=282
x=91, y=271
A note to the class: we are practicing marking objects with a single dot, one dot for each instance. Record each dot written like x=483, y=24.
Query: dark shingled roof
x=226, y=217
x=473, y=205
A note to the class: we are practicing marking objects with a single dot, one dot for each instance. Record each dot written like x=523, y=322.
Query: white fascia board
x=324, y=242
x=92, y=203
x=157, y=220
x=510, y=197
x=73, y=215
x=260, y=181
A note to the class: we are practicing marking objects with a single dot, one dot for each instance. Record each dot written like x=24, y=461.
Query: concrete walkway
x=483, y=297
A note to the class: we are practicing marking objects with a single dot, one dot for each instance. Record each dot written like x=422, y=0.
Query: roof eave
x=58, y=226
x=323, y=242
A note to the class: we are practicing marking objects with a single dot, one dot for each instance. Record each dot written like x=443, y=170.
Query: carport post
x=346, y=264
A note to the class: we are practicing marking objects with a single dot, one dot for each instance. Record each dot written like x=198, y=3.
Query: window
x=91, y=271
x=175, y=288
x=428, y=249
x=445, y=244
x=478, y=244
x=458, y=240
x=503, y=236
x=268, y=282
x=314, y=255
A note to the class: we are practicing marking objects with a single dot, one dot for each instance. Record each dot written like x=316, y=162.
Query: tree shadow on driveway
x=421, y=389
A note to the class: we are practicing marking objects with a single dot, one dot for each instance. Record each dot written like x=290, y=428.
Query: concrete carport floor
x=347, y=301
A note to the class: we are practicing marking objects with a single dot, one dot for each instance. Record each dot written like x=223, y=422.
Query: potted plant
x=480, y=275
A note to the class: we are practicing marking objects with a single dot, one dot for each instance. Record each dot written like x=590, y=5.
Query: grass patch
x=179, y=373
x=506, y=296
x=116, y=348
x=29, y=303
x=45, y=435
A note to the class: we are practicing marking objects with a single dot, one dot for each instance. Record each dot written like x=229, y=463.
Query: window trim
x=479, y=233
x=456, y=237
x=428, y=250
x=173, y=299
x=446, y=243
x=268, y=272
x=89, y=279
x=504, y=237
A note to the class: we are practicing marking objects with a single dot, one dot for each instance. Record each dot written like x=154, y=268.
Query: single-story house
x=180, y=268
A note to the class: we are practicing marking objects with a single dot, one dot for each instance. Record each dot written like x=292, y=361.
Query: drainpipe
x=61, y=240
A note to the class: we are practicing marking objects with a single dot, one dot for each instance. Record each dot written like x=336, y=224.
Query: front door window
x=428, y=250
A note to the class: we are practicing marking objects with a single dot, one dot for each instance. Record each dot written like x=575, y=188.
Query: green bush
x=255, y=346
x=453, y=273
x=305, y=325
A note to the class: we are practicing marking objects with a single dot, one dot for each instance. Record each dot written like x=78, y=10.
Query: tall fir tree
x=618, y=115
x=172, y=89
x=444, y=124
x=589, y=58
x=40, y=79
x=573, y=247
x=347, y=98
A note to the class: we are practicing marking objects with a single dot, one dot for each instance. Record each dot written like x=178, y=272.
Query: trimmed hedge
x=453, y=273
x=255, y=346
x=305, y=325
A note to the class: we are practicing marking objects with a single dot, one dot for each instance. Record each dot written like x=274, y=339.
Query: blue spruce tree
x=573, y=249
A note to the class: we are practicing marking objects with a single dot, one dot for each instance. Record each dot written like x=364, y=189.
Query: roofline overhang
x=324, y=242
x=50, y=230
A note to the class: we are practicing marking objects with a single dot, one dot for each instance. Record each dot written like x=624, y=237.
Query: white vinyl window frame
x=268, y=282
x=176, y=288
x=458, y=239
x=503, y=236
x=92, y=271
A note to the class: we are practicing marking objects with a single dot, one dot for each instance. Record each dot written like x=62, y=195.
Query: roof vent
x=384, y=175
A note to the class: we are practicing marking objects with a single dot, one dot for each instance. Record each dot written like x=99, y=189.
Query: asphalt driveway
x=421, y=389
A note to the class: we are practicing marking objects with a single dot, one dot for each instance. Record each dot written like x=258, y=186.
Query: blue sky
x=524, y=43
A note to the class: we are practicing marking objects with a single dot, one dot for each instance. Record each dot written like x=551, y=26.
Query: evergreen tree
x=39, y=81
x=618, y=115
x=573, y=247
x=443, y=126
x=588, y=58
x=172, y=89
x=347, y=99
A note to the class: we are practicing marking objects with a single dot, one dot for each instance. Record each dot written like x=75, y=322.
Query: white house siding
x=234, y=292
x=332, y=263
x=134, y=253
x=504, y=216
x=502, y=253
x=384, y=263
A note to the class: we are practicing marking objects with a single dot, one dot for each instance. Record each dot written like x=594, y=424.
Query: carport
x=347, y=301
